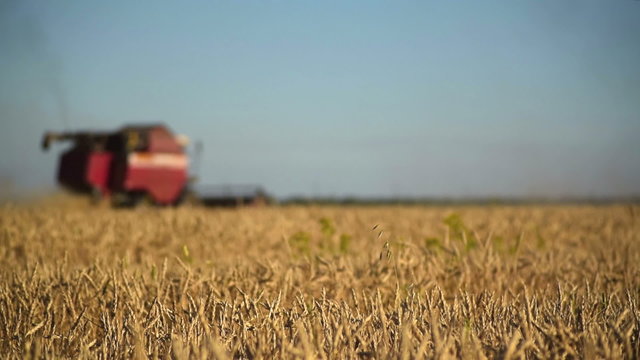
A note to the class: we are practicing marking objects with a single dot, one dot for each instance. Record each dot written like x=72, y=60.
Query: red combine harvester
x=131, y=165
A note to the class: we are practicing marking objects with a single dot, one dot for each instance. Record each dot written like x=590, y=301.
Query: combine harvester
x=129, y=166
x=138, y=164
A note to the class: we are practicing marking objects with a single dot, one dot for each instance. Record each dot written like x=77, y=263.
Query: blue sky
x=424, y=98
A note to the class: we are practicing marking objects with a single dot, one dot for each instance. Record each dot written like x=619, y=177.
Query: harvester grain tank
x=129, y=165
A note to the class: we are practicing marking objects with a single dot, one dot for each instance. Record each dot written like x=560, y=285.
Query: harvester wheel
x=132, y=199
x=141, y=198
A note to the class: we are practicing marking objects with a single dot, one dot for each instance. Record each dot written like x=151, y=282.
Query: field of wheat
x=319, y=282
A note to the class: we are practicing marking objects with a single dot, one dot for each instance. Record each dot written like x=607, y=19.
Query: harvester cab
x=130, y=165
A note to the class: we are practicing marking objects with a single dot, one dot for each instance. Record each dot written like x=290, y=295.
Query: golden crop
x=320, y=282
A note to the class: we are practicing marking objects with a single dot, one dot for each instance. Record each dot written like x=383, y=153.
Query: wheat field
x=319, y=282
